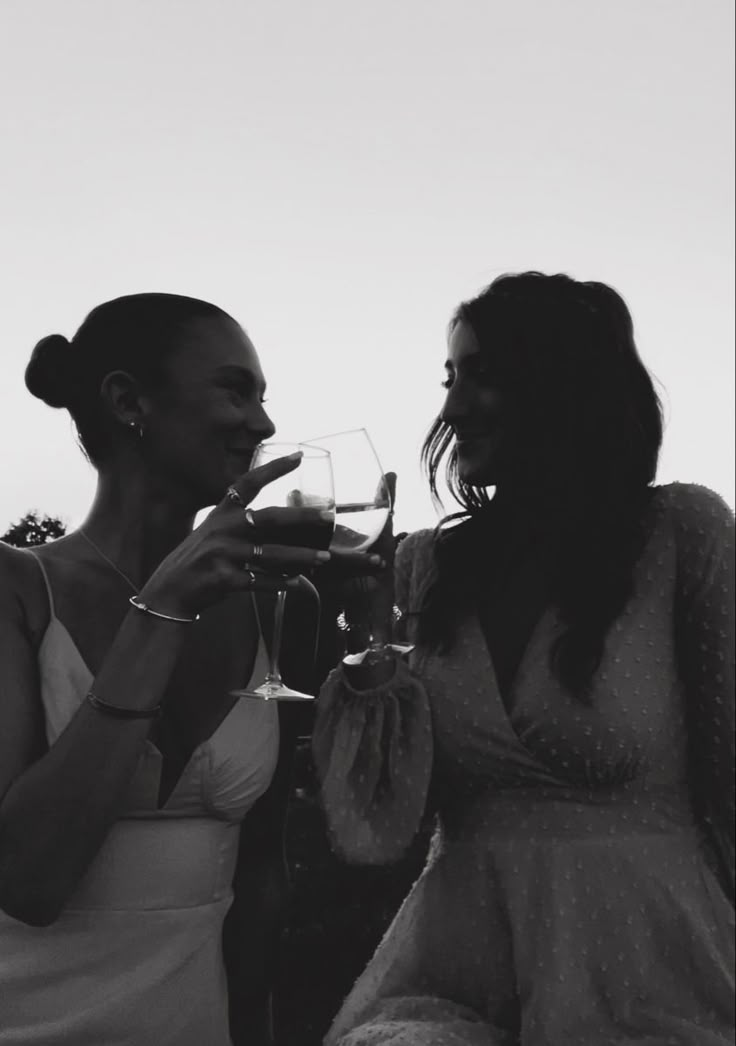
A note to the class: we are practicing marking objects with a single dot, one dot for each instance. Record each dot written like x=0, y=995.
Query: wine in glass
x=363, y=505
x=309, y=489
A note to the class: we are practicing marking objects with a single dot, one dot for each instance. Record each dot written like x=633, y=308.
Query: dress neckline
x=509, y=707
x=55, y=622
x=57, y=625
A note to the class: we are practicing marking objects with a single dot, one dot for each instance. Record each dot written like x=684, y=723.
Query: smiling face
x=207, y=417
x=473, y=408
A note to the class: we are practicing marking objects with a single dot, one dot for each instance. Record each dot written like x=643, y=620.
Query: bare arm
x=57, y=806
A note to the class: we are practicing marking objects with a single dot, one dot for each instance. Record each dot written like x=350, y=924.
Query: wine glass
x=310, y=488
x=363, y=505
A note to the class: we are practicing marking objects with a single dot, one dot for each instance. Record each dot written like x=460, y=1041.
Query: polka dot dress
x=579, y=887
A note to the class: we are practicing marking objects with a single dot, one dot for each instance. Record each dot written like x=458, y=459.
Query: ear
x=123, y=398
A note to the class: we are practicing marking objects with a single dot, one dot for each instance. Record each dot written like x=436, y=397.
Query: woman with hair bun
x=567, y=711
x=142, y=883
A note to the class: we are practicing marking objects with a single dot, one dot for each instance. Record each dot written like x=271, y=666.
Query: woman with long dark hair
x=567, y=709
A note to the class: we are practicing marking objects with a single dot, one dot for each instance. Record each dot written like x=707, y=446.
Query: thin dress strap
x=52, y=609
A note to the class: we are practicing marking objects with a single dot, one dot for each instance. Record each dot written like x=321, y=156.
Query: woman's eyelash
x=484, y=374
x=242, y=391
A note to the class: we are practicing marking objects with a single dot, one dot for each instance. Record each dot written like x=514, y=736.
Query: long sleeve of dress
x=373, y=753
x=705, y=645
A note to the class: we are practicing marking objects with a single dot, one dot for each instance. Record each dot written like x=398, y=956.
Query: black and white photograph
x=367, y=523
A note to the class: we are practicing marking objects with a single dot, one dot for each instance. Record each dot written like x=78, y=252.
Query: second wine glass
x=363, y=505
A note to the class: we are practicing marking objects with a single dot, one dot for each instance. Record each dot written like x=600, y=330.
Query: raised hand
x=234, y=549
x=360, y=586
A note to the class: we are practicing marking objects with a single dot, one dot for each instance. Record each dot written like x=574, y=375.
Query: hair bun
x=50, y=372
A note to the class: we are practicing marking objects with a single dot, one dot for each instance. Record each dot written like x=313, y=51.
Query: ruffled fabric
x=424, y=1021
x=373, y=754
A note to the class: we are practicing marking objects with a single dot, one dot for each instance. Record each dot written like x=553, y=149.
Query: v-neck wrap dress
x=579, y=888
x=136, y=959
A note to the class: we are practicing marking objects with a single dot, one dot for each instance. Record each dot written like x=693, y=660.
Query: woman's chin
x=476, y=474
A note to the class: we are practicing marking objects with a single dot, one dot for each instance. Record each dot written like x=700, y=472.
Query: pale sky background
x=338, y=175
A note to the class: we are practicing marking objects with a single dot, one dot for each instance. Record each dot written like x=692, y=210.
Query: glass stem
x=274, y=673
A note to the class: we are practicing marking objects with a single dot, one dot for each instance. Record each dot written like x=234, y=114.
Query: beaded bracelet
x=122, y=713
x=138, y=603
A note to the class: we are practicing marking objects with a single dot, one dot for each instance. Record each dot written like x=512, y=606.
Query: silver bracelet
x=138, y=603
x=122, y=713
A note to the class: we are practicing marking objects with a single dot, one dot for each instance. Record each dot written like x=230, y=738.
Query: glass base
x=377, y=652
x=273, y=692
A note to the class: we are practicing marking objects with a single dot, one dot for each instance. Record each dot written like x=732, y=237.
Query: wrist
x=166, y=601
x=371, y=673
x=144, y=608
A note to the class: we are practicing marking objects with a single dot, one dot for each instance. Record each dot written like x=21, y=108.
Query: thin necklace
x=109, y=561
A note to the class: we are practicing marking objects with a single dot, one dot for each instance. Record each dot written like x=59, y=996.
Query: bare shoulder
x=16, y=568
x=22, y=737
x=22, y=592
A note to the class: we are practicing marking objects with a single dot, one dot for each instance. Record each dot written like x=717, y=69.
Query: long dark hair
x=136, y=333
x=567, y=363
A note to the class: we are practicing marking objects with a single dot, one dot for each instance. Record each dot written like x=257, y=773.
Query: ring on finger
x=251, y=576
x=234, y=496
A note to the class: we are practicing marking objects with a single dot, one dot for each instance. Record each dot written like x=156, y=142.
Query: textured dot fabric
x=579, y=888
x=366, y=746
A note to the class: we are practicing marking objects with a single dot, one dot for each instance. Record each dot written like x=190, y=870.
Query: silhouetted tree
x=33, y=529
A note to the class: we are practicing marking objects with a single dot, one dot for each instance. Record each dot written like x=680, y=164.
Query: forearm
x=55, y=816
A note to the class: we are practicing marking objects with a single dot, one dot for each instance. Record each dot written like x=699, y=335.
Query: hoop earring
x=137, y=428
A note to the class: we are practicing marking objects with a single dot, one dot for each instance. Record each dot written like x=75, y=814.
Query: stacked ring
x=236, y=498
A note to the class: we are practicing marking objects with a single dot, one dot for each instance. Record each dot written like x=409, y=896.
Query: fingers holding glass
x=266, y=468
x=304, y=527
x=363, y=520
x=283, y=560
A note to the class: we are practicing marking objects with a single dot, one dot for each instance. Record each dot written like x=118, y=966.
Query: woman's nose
x=455, y=407
x=261, y=425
